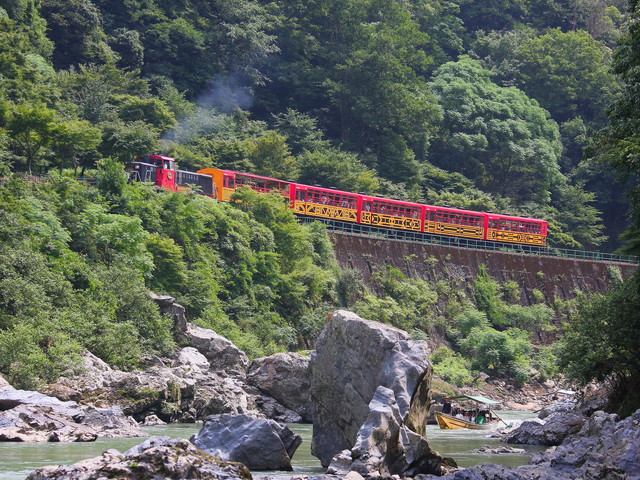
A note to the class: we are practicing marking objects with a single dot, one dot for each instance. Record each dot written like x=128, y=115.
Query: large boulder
x=550, y=431
x=285, y=377
x=221, y=353
x=258, y=443
x=353, y=358
x=33, y=417
x=158, y=457
x=386, y=447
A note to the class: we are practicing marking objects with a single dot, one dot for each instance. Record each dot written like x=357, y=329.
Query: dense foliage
x=79, y=262
x=601, y=342
x=488, y=105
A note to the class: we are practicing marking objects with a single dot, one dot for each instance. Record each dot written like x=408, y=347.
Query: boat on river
x=481, y=418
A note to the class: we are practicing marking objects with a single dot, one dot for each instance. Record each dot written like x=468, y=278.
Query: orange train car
x=329, y=203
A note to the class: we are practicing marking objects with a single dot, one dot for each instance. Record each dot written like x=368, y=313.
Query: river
x=17, y=460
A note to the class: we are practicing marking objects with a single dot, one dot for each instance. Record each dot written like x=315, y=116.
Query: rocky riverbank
x=367, y=387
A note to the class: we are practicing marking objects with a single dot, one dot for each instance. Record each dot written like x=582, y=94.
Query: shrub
x=450, y=366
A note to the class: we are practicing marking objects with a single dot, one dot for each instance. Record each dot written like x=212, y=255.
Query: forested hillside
x=516, y=107
x=480, y=104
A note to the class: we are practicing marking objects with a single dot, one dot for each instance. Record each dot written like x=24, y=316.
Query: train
x=330, y=203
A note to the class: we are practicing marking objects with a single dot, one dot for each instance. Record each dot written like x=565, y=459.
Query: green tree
x=334, y=168
x=601, y=344
x=270, y=155
x=494, y=135
x=368, y=71
x=301, y=130
x=568, y=73
x=32, y=128
x=128, y=46
x=26, y=74
x=491, y=14
x=74, y=27
x=75, y=140
x=125, y=141
x=152, y=111
x=487, y=296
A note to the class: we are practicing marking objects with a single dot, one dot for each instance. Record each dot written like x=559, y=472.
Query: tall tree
x=618, y=145
x=497, y=136
x=568, y=73
x=75, y=28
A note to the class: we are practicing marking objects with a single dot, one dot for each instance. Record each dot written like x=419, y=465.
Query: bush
x=502, y=354
x=602, y=343
x=451, y=366
x=487, y=296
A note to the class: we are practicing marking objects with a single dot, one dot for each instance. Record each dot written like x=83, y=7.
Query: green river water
x=18, y=459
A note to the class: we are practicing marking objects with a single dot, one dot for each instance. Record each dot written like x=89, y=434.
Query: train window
x=516, y=226
x=229, y=182
x=388, y=208
x=458, y=218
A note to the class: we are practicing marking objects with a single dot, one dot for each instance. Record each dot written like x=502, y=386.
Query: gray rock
x=27, y=416
x=549, y=432
x=558, y=407
x=172, y=394
x=386, y=447
x=192, y=358
x=499, y=450
x=285, y=377
x=272, y=409
x=111, y=422
x=158, y=458
x=260, y=444
x=353, y=357
x=604, y=448
x=31, y=423
x=152, y=421
x=12, y=398
x=177, y=312
x=221, y=353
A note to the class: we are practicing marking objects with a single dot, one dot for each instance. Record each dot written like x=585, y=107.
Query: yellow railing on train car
x=516, y=237
x=456, y=230
x=325, y=211
x=392, y=221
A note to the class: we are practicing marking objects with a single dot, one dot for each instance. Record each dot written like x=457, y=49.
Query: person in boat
x=480, y=418
x=446, y=406
x=460, y=415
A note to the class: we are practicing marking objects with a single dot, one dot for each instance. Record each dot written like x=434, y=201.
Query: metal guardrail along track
x=459, y=242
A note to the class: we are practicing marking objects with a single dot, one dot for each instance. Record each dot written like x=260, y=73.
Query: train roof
x=390, y=200
x=324, y=189
x=513, y=217
x=155, y=155
x=455, y=210
x=253, y=175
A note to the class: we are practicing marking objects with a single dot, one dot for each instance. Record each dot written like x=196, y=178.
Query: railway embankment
x=556, y=278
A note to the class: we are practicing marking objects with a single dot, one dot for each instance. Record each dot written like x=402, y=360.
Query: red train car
x=385, y=212
x=324, y=202
x=161, y=170
x=329, y=203
x=523, y=230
